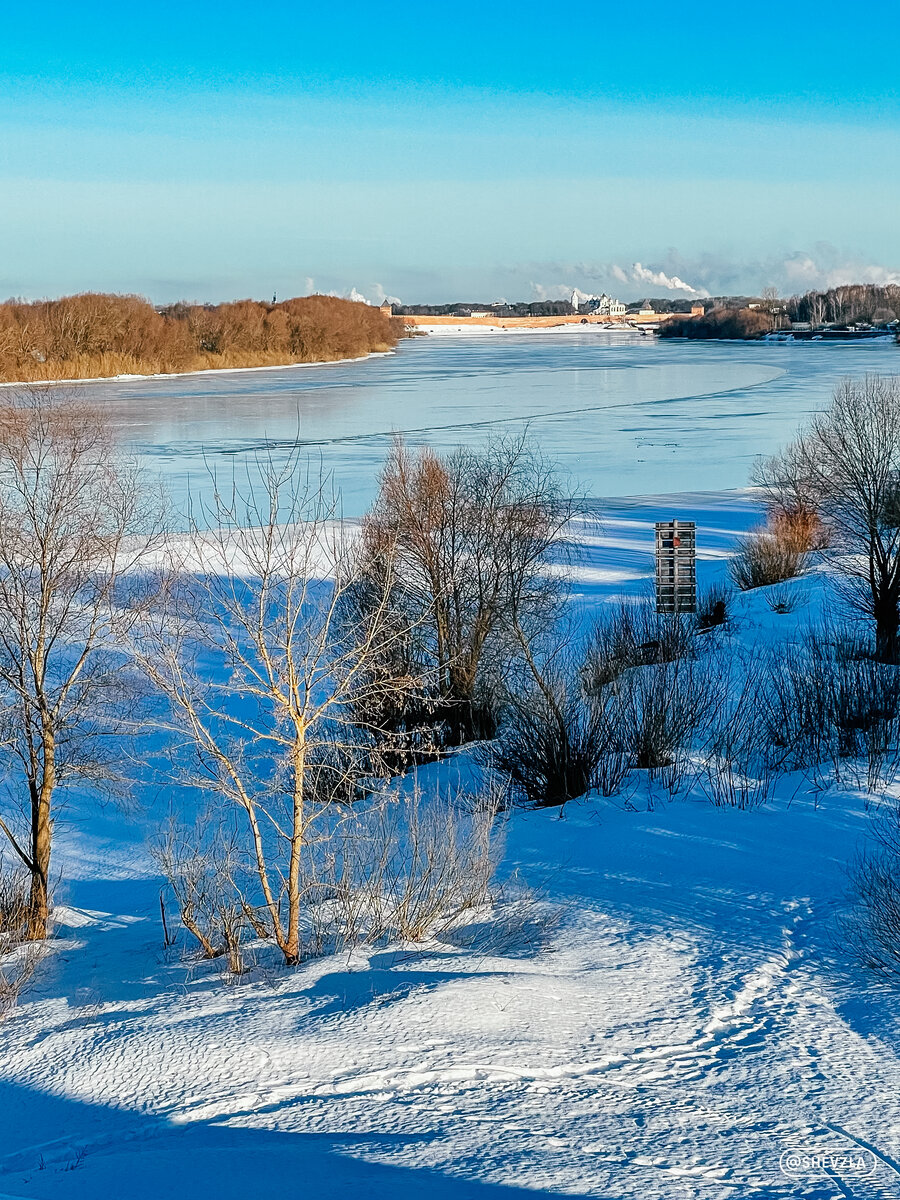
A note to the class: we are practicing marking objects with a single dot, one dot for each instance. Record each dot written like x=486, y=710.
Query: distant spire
x=274, y=298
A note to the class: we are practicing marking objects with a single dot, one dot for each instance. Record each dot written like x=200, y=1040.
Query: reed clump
x=93, y=335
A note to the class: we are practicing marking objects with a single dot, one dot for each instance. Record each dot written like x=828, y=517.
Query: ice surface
x=620, y=413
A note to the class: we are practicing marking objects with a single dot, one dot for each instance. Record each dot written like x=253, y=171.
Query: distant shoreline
x=487, y=327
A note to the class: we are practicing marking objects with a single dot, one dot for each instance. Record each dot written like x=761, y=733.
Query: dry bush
x=798, y=527
x=19, y=957
x=204, y=870
x=830, y=704
x=396, y=867
x=95, y=335
x=553, y=743
x=768, y=556
x=14, y=905
x=739, y=770
x=712, y=607
x=632, y=635
x=655, y=713
x=17, y=969
x=518, y=924
x=409, y=864
x=782, y=600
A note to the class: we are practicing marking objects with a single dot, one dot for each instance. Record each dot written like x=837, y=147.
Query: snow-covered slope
x=662, y=1012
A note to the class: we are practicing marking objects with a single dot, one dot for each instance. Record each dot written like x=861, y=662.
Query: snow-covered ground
x=665, y=1012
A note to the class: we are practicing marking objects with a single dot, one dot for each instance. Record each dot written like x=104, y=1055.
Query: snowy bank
x=658, y=1006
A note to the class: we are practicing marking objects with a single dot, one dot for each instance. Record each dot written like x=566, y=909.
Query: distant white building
x=600, y=306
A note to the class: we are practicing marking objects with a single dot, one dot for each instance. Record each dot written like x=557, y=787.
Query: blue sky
x=450, y=150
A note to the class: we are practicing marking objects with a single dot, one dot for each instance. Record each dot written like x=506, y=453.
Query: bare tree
x=74, y=521
x=259, y=657
x=473, y=533
x=816, y=308
x=845, y=467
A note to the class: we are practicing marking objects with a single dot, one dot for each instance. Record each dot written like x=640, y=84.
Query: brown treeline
x=93, y=335
x=726, y=323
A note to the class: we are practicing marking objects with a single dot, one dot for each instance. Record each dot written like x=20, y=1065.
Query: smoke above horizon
x=709, y=274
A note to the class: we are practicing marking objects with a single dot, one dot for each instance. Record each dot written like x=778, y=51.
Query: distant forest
x=846, y=305
x=93, y=335
x=733, y=317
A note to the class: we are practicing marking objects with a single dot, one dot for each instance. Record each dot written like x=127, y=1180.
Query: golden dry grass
x=94, y=335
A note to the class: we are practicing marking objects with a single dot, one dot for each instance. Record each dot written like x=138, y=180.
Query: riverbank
x=129, y=378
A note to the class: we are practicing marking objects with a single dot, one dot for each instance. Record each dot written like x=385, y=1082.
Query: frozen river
x=620, y=413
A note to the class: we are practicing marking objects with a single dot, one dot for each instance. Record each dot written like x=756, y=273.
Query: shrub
x=739, y=770
x=729, y=323
x=14, y=906
x=204, y=871
x=398, y=865
x=408, y=865
x=768, y=556
x=828, y=702
x=799, y=528
x=655, y=712
x=19, y=957
x=712, y=607
x=781, y=600
x=632, y=635
x=554, y=744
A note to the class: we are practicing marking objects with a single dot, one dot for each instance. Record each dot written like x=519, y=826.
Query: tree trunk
x=291, y=947
x=39, y=900
x=887, y=630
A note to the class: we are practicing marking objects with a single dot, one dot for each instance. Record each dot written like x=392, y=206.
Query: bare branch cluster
x=845, y=469
x=473, y=534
